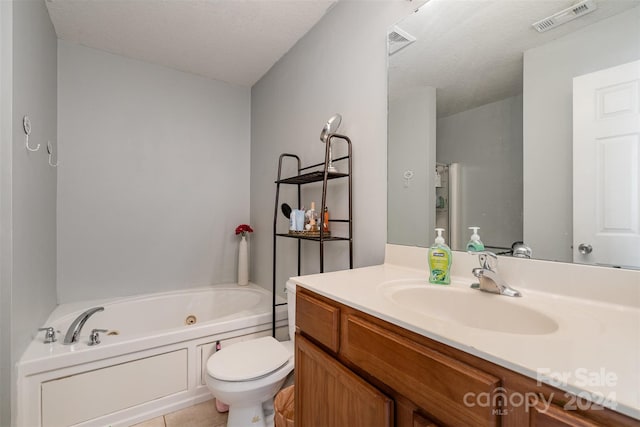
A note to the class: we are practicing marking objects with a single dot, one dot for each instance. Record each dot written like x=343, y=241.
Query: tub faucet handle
x=94, y=338
x=49, y=335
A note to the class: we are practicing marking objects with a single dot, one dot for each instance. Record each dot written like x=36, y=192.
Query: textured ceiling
x=471, y=50
x=235, y=41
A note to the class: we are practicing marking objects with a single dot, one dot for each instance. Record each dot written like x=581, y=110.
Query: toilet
x=247, y=375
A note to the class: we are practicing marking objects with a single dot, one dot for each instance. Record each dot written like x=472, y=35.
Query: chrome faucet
x=520, y=250
x=489, y=279
x=73, y=333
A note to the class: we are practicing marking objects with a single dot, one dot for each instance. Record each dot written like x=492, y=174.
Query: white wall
x=487, y=143
x=548, y=79
x=153, y=176
x=412, y=133
x=339, y=66
x=28, y=185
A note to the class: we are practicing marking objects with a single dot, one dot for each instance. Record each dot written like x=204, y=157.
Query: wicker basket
x=284, y=407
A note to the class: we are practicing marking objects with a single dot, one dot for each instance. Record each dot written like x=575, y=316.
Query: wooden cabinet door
x=328, y=394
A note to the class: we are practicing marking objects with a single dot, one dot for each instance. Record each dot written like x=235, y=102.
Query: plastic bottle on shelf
x=312, y=218
x=325, y=220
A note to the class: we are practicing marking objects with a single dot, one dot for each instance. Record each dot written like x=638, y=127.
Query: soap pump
x=475, y=244
x=439, y=260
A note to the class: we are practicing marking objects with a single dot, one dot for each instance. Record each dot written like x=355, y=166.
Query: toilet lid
x=248, y=360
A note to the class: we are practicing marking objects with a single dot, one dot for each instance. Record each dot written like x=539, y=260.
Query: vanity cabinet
x=355, y=369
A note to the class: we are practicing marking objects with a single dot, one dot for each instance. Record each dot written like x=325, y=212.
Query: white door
x=606, y=166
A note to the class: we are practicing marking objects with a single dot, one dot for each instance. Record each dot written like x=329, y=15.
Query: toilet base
x=259, y=415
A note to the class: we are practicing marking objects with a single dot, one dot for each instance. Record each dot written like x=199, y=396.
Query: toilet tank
x=291, y=308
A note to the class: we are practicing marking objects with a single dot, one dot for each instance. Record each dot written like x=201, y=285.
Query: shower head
x=330, y=127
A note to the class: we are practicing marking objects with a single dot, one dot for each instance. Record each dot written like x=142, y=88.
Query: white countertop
x=596, y=348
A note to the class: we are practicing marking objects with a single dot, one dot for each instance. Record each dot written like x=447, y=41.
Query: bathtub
x=149, y=362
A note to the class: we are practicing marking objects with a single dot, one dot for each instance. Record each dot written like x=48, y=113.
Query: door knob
x=585, y=248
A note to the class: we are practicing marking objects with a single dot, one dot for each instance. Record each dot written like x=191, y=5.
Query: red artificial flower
x=244, y=228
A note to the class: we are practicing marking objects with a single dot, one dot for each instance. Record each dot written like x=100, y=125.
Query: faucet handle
x=49, y=335
x=488, y=260
x=94, y=337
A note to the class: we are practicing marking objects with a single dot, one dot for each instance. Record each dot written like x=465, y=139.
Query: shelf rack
x=306, y=176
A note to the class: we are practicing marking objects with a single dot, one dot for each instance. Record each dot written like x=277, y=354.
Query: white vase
x=243, y=263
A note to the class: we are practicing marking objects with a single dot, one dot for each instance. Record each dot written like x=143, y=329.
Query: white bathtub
x=148, y=363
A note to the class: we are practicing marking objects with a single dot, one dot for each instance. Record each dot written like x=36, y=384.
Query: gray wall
x=487, y=142
x=412, y=135
x=153, y=176
x=29, y=280
x=339, y=66
x=6, y=68
x=548, y=131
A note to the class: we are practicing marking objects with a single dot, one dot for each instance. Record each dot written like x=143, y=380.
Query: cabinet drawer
x=444, y=387
x=318, y=320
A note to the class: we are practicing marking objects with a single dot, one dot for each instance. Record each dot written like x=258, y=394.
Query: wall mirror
x=531, y=134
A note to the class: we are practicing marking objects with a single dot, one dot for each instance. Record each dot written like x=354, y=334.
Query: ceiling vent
x=398, y=39
x=566, y=15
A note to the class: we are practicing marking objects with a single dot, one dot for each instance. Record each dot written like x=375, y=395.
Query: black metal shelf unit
x=303, y=177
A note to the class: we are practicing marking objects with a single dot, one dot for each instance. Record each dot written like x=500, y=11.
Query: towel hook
x=26, y=124
x=50, y=151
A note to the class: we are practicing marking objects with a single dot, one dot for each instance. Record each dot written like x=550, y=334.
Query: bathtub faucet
x=74, y=330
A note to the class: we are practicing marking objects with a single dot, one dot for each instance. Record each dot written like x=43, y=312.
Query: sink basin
x=470, y=308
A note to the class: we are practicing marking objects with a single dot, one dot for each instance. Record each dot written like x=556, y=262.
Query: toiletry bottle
x=475, y=244
x=325, y=220
x=312, y=218
x=292, y=220
x=299, y=219
x=439, y=260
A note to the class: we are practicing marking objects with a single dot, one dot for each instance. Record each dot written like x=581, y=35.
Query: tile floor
x=201, y=415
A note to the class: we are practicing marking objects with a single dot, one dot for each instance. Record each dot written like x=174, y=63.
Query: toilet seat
x=248, y=360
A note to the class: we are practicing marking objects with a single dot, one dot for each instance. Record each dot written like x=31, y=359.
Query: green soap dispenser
x=475, y=244
x=439, y=260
